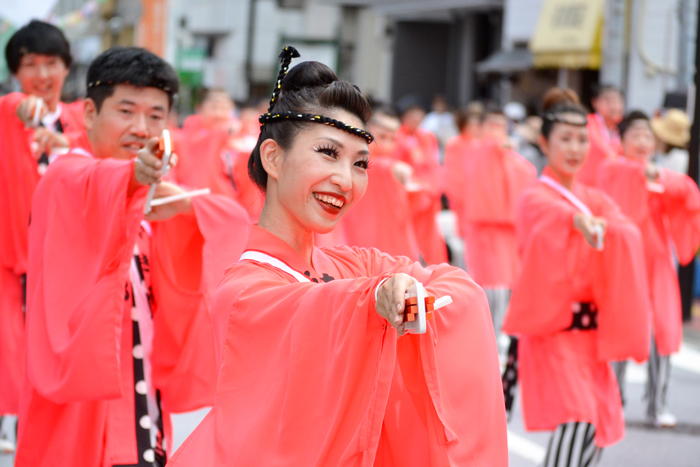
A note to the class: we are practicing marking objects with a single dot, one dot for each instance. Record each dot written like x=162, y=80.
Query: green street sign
x=190, y=66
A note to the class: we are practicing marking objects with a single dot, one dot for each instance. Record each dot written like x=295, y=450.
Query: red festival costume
x=207, y=160
x=669, y=219
x=19, y=175
x=77, y=406
x=457, y=150
x=382, y=219
x=603, y=146
x=420, y=150
x=310, y=374
x=565, y=375
x=483, y=190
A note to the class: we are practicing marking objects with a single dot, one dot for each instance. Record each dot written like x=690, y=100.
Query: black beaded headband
x=280, y=116
x=94, y=84
x=286, y=56
x=554, y=118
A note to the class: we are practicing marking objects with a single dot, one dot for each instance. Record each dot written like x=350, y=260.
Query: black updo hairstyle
x=308, y=88
x=633, y=116
x=556, y=102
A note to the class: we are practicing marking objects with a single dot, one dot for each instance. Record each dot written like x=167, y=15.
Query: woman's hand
x=391, y=300
x=651, y=172
x=403, y=172
x=591, y=227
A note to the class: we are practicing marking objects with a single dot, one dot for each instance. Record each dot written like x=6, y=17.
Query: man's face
x=611, y=106
x=495, y=127
x=217, y=110
x=126, y=121
x=384, y=140
x=42, y=76
x=412, y=118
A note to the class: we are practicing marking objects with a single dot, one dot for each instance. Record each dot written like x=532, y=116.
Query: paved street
x=643, y=446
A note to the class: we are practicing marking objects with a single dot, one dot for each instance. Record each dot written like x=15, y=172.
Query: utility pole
x=250, y=44
x=686, y=274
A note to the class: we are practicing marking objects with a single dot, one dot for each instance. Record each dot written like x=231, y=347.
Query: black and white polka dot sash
x=149, y=426
x=585, y=317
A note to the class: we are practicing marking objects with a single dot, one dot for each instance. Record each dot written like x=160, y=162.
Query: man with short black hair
x=118, y=329
x=38, y=55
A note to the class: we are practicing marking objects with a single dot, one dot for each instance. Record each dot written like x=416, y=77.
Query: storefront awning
x=506, y=61
x=568, y=34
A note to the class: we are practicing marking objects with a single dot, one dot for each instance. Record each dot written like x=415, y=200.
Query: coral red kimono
x=669, y=222
x=420, y=150
x=602, y=147
x=248, y=194
x=19, y=175
x=565, y=375
x=77, y=406
x=208, y=160
x=457, y=151
x=309, y=372
x=200, y=161
x=382, y=219
x=484, y=196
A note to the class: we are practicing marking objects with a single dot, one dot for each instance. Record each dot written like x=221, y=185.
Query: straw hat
x=673, y=128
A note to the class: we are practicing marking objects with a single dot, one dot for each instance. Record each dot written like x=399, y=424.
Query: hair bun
x=308, y=75
x=557, y=96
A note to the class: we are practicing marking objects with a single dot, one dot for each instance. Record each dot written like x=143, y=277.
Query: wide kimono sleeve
x=625, y=182
x=552, y=253
x=18, y=179
x=494, y=166
x=190, y=255
x=455, y=153
x=681, y=201
x=620, y=286
x=81, y=240
x=304, y=373
x=454, y=365
x=548, y=245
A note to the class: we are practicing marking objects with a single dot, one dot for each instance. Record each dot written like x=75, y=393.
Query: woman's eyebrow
x=333, y=140
x=362, y=152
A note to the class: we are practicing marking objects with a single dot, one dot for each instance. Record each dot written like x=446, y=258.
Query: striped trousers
x=658, y=376
x=572, y=445
x=498, y=304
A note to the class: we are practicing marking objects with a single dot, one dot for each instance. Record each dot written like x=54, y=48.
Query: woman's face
x=323, y=174
x=567, y=145
x=638, y=140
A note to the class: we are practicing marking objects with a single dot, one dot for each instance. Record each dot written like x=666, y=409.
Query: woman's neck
x=565, y=179
x=279, y=223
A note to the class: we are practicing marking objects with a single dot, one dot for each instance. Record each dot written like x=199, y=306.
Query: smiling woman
x=316, y=367
x=580, y=301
